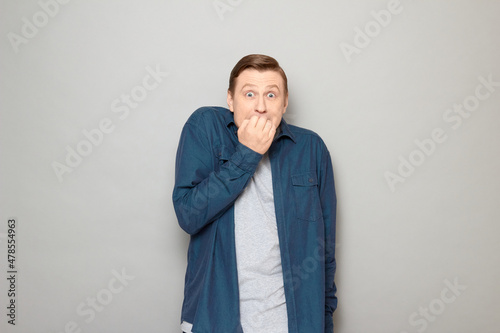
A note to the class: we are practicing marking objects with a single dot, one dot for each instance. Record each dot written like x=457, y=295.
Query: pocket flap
x=305, y=179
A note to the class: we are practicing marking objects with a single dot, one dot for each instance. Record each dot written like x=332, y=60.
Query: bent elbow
x=186, y=217
x=188, y=227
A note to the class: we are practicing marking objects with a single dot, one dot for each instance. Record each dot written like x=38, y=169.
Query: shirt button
x=310, y=180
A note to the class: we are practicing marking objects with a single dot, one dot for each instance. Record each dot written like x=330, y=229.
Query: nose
x=261, y=105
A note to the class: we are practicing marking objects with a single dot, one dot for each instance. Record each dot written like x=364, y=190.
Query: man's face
x=259, y=94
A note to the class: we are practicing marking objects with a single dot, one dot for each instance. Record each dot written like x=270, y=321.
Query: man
x=257, y=197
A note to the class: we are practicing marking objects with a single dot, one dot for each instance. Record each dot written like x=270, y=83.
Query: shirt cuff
x=245, y=158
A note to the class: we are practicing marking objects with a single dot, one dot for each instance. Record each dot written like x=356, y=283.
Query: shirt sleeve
x=329, y=206
x=201, y=193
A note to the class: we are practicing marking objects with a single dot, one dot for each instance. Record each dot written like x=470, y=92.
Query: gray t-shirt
x=258, y=258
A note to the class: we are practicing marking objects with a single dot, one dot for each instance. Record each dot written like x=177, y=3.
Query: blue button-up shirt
x=212, y=169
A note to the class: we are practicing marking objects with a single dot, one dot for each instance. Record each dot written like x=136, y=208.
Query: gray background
x=398, y=249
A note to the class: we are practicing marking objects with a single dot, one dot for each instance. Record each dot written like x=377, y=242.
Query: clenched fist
x=257, y=133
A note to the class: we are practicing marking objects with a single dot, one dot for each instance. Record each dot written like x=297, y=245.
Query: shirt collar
x=283, y=130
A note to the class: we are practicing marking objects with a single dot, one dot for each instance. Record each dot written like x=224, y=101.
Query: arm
x=202, y=194
x=329, y=206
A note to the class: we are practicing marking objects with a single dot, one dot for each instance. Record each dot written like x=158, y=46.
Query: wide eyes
x=251, y=94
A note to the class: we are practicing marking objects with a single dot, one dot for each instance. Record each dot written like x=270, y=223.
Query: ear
x=230, y=101
x=286, y=103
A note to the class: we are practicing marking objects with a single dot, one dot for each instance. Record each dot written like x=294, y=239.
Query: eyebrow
x=267, y=87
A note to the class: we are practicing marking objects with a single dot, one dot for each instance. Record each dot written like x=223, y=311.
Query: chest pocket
x=306, y=192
